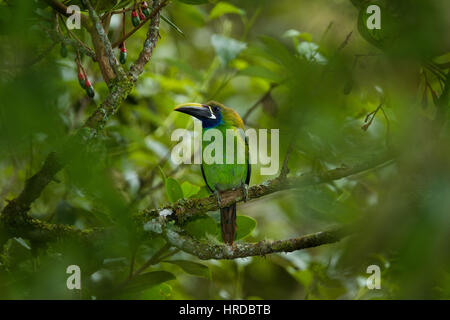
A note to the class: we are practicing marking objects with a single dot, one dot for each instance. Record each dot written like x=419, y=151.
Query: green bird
x=231, y=173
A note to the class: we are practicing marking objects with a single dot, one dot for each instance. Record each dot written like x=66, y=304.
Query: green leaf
x=204, y=192
x=201, y=227
x=148, y=280
x=160, y=292
x=305, y=277
x=277, y=52
x=222, y=8
x=226, y=48
x=22, y=243
x=173, y=25
x=189, y=189
x=245, y=226
x=194, y=2
x=174, y=191
x=306, y=36
x=330, y=293
x=17, y=250
x=163, y=175
x=194, y=268
x=327, y=206
x=190, y=15
x=185, y=68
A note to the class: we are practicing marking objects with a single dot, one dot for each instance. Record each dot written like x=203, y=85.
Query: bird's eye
x=215, y=108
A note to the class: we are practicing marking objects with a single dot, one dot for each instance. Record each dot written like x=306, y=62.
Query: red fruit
x=135, y=19
x=123, y=56
x=81, y=80
x=141, y=15
x=89, y=89
x=145, y=9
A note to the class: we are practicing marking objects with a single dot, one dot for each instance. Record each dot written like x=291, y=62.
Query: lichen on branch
x=120, y=87
x=169, y=221
x=185, y=209
x=206, y=250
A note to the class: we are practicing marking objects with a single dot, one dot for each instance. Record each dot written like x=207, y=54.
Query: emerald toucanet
x=231, y=173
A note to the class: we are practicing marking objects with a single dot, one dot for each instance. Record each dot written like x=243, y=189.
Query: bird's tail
x=228, y=223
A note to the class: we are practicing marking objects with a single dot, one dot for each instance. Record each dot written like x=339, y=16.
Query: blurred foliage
x=323, y=82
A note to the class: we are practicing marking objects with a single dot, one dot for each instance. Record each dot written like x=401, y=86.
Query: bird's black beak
x=200, y=111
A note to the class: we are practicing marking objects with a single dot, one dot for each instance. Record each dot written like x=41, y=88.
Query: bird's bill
x=197, y=110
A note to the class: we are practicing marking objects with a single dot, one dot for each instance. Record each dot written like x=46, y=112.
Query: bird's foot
x=244, y=188
x=219, y=199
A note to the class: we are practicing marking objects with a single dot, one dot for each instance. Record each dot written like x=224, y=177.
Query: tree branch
x=156, y=220
x=150, y=42
x=16, y=222
x=56, y=161
x=99, y=33
x=119, y=90
x=75, y=43
x=183, y=210
x=206, y=250
x=102, y=53
x=285, y=168
x=80, y=45
x=258, y=102
x=156, y=8
x=62, y=9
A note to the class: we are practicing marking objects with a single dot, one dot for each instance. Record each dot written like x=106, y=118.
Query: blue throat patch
x=212, y=123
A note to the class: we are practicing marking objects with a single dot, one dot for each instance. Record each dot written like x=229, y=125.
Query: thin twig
x=153, y=260
x=15, y=212
x=185, y=209
x=113, y=63
x=71, y=34
x=154, y=12
x=371, y=116
x=258, y=102
x=181, y=211
x=285, y=168
x=205, y=250
x=345, y=42
x=150, y=42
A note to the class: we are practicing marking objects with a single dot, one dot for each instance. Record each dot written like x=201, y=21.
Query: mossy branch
x=156, y=8
x=15, y=221
x=150, y=42
x=206, y=250
x=98, y=34
x=185, y=209
x=168, y=221
x=120, y=87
